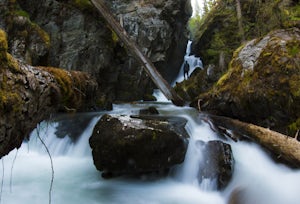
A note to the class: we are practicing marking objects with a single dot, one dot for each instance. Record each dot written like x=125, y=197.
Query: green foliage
x=194, y=25
x=294, y=50
x=294, y=127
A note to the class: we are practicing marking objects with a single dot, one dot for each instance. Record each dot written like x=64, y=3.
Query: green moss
x=83, y=4
x=114, y=37
x=294, y=50
x=294, y=127
x=10, y=101
x=3, y=41
x=294, y=83
x=154, y=135
x=21, y=13
x=64, y=79
x=41, y=33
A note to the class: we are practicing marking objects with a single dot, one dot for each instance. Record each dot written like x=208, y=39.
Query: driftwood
x=30, y=94
x=284, y=147
x=149, y=67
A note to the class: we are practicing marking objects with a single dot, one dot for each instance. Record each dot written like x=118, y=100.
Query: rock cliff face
x=72, y=35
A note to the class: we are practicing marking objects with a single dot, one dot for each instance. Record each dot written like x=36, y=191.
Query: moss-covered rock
x=217, y=36
x=262, y=84
x=136, y=146
x=26, y=40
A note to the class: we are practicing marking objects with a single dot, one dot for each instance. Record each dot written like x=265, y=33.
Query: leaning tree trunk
x=158, y=80
x=283, y=146
x=240, y=20
x=29, y=95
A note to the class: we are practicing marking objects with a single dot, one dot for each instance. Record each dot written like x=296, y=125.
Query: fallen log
x=30, y=94
x=149, y=67
x=284, y=147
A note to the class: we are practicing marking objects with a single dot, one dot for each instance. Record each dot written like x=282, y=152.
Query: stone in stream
x=218, y=162
x=127, y=145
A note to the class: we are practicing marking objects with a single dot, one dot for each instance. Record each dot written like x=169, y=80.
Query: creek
x=27, y=177
x=27, y=172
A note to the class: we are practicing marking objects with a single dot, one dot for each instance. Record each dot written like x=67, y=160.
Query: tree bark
x=158, y=80
x=29, y=95
x=240, y=21
x=283, y=146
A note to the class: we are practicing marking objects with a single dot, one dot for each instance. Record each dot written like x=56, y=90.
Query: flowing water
x=27, y=173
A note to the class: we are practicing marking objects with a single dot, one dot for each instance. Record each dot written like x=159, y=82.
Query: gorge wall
x=72, y=35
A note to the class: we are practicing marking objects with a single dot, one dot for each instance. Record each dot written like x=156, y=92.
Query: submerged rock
x=218, y=162
x=125, y=145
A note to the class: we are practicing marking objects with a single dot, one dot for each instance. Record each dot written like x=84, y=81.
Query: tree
x=240, y=20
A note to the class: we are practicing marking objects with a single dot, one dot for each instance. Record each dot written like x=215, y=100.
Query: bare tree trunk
x=240, y=20
x=159, y=81
x=285, y=147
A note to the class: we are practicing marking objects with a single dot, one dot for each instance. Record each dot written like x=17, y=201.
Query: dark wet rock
x=158, y=27
x=149, y=111
x=126, y=145
x=217, y=164
x=72, y=35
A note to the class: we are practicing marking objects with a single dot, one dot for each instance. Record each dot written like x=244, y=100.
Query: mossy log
x=30, y=94
x=284, y=147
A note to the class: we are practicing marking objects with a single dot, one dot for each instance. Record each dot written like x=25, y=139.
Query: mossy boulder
x=133, y=146
x=217, y=36
x=262, y=85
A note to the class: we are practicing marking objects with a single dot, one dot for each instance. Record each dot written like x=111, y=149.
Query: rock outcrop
x=218, y=36
x=30, y=94
x=72, y=35
x=126, y=145
x=262, y=85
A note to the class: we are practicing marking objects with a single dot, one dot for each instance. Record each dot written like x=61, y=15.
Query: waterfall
x=193, y=61
x=77, y=181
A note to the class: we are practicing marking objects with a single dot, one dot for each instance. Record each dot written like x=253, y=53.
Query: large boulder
x=218, y=163
x=262, y=83
x=126, y=145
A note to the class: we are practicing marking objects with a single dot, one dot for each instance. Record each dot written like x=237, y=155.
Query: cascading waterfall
x=193, y=61
x=77, y=181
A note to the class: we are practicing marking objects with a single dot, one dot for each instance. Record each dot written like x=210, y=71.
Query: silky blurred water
x=77, y=181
